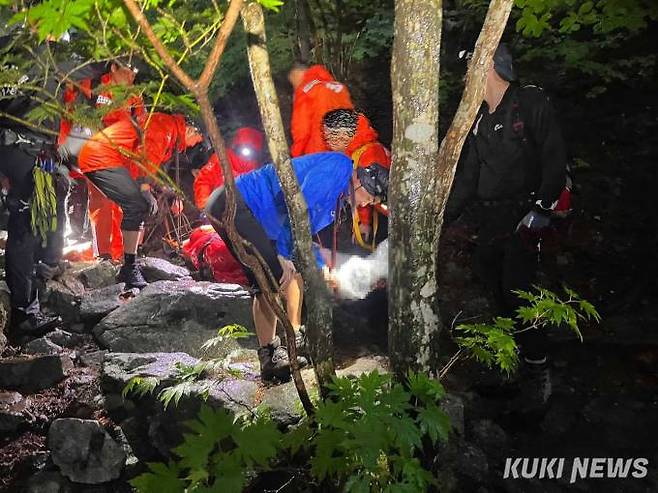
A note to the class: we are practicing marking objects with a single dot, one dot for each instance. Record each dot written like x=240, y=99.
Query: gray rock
x=84, y=451
x=42, y=345
x=177, y=316
x=48, y=482
x=62, y=296
x=490, y=436
x=237, y=396
x=93, y=359
x=13, y=412
x=453, y=405
x=282, y=402
x=119, y=368
x=157, y=269
x=98, y=303
x=64, y=338
x=472, y=463
x=32, y=374
x=3, y=337
x=98, y=275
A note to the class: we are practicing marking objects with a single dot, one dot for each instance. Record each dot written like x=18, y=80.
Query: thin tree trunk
x=319, y=315
x=418, y=200
x=414, y=321
x=303, y=30
x=199, y=88
x=451, y=147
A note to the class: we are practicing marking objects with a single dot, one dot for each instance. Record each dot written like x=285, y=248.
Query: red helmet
x=247, y=143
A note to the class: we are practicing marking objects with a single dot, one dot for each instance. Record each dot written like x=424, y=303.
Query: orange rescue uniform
x=317, y=94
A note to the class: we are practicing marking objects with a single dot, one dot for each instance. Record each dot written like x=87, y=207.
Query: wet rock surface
x=157, y=269
x=97, y=303
x=172, y=316
x=34, y=373
x=84, y=451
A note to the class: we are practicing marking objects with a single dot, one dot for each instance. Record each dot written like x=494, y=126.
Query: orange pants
x=105, y=217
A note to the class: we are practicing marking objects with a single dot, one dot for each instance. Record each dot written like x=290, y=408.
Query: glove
x=150, y=200
x=534, y=221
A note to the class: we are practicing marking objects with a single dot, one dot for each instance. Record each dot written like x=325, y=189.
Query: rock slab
x=97, y=303
x=84, y=452
x=177, y=316
x=157, y=269
x=33, y=373
x=12, y=411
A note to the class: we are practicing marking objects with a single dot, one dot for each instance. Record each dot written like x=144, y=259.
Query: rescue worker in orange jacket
x=350, y=132
x=244, y=155
x=316, y=93
x=106, y=159
x=105, y=216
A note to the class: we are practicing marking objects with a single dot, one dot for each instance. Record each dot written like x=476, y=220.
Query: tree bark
x=419, y=192
x=319, y=315
x=451, y=146
x=199, y=89
x=303, y=30
x=414, y=321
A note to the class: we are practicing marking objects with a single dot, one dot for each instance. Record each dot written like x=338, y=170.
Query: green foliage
x=493, y=344
x=232, y=331
x=217, y=455
x=140, y=386
x=366, y=437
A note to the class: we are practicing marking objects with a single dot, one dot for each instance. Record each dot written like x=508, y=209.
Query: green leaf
x=162, y=478
x=140, y=386
x=258, y=442
x=434, y=422
x=274, y=5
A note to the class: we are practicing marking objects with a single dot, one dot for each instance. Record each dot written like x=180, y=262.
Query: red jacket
x=365, y=150
x=134, y=104
x=210, y=175
x=318, y=94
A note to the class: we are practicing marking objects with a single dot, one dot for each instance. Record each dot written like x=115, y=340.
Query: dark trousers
x=22, y=244
x=248, y=228
x=507, y=261
x=119, y=187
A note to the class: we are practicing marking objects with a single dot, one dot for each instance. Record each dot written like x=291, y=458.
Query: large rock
x=48, y=482
x=62, y=296
x=98, y=303
x=13, y=412
x=282, y=403
x=119, y=368
x=177, y=316
x=31, y=374
x=84, y=452
x=98, y=275
x=42, y=345
x=157, y=269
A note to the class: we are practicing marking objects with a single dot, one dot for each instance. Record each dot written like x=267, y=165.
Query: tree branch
x=169, y=61
x=228, y=23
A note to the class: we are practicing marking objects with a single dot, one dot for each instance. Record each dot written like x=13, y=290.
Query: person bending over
x=262, y=219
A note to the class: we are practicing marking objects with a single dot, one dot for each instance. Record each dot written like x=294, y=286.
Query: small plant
x=493, y=344
x=366, y=437
x=186, y=377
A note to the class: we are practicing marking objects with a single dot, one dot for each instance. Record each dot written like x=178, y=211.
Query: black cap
x=503, y=64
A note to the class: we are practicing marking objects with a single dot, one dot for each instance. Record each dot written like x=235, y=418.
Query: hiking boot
x=274, y=362
x=132, y=276
x=48, y=271
x=35, y=325
x=535, y=389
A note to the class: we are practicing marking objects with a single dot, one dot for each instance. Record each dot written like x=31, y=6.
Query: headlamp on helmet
x=374, y=179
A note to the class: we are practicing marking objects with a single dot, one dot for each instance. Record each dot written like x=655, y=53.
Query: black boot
x=132, y=276
x=301, y=343
x=33, y=325
x=274, y=362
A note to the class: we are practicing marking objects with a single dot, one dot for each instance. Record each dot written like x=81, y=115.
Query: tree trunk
x=419, y=192
x=319, y=315
x=303, y=30
x=414, y=322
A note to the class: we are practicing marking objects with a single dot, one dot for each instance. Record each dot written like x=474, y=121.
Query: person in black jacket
x=513, y=171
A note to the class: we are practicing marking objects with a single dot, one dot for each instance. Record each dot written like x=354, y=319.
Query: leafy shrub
x=366, y=437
